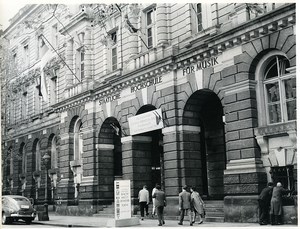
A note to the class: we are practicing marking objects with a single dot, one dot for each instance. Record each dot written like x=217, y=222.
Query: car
x=16, y=207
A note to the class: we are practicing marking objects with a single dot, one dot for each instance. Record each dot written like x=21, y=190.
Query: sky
x=9, y=8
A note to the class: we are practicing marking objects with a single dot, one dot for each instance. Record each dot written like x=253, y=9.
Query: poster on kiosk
x=122, y=199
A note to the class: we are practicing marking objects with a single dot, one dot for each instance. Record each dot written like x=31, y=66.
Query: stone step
x=214, y=219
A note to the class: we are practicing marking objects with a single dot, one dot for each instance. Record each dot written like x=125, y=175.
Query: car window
x=21, y=200
x=5, y=202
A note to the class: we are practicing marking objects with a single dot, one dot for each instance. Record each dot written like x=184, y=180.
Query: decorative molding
x=276, y=129
x=128, y=139
x=240, y=166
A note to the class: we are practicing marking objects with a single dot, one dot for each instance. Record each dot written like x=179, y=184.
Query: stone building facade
x=223, y=77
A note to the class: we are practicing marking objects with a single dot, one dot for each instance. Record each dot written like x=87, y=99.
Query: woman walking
x=197, y=205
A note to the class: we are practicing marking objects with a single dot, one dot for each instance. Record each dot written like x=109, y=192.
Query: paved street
x=100, y=222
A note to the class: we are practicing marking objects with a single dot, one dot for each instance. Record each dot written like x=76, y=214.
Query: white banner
x=122, y=199
x=146, y=122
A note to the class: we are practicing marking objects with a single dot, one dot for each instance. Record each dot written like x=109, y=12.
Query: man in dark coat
x=185, y=205
x=276, y=203
x=160, y=202
x=264, y=200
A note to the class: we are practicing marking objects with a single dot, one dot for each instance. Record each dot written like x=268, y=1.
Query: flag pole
x=60, y=57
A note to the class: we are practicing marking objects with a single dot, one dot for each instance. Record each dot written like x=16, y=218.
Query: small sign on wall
x=146, y=122
x=122, y=199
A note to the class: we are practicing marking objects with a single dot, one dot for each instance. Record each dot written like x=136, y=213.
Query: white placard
x=122, y=199
x=146, y=122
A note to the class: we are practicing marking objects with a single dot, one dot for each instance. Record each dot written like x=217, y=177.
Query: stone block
x=231, y=179
x=258, y=45
x=230, y=136
x=243, y=67
x=241, y=209
x=248, y=113
x=246, y=133
x=231, y=70
x=290, y=42
x=284, y=34
x=243, y=124
x=241, y=144
x=250, y=50
x=251, y=152
x=246, y=178
x=249, y=94
x=241, y=105
x=242, y=188
x=133, y=221
x=265, y=42
x=230, y=99
x=231, y=117
x=273, y=39
x=229, y=80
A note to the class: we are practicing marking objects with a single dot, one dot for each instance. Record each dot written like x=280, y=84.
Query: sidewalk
x=90, y=221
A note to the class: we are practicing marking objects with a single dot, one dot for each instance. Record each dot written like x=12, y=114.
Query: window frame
x=262, y=96
x=80, y=64
x=151, y=26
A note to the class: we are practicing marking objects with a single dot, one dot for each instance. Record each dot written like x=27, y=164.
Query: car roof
x=14, y=196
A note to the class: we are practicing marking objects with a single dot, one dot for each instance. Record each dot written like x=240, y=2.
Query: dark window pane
x=150, y=41
x=290, y=88
x=271, y=70
x=149, y=17
x=291, y=110
x=274, y=113
x=273, y=92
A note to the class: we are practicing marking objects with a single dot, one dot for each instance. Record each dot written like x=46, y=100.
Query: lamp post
x=46, y=160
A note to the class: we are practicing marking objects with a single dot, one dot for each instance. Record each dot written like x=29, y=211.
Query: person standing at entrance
x=160, y=202
x=185, y=205
x=276, y=204
x=144, y=201
x=264, y=200
x=197, y=205
x=153, y=200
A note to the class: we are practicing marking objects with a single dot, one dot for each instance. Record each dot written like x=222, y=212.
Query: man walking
x=160, y=202
x=264, y=200
x=144, y=201
x=185, y=205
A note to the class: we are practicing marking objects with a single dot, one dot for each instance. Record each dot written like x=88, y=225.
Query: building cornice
x=218, y=43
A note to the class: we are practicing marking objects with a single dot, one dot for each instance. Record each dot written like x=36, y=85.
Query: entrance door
x=204, y=153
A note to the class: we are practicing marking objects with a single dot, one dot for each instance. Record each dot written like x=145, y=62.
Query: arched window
x=78, y=140
x=24, y=160
x=54, y=159
x=280, y=91
x=277, y=90
x=38, y=157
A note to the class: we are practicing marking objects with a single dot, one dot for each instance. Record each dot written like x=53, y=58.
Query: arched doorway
x=206, y=150
x=109, y=156
x=156, y=158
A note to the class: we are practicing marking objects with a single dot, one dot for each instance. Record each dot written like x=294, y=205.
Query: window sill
x=276, y=129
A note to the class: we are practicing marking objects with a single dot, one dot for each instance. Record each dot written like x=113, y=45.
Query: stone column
x=69, y=62
x=137, y=162
x=105, y=170
x=245, y=175
x=87, y=82
x=161, y=24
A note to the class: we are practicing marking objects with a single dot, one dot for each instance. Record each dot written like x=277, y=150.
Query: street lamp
x=46, y=160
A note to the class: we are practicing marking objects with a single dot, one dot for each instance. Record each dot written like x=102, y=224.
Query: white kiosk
x=123, y=215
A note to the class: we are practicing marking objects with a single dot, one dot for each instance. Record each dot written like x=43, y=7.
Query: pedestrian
x=160, y=202
x=144, y=201
x=276, y=204
x=185, y=205
x=264, y=200
x=153, y=200
x=197, y=205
